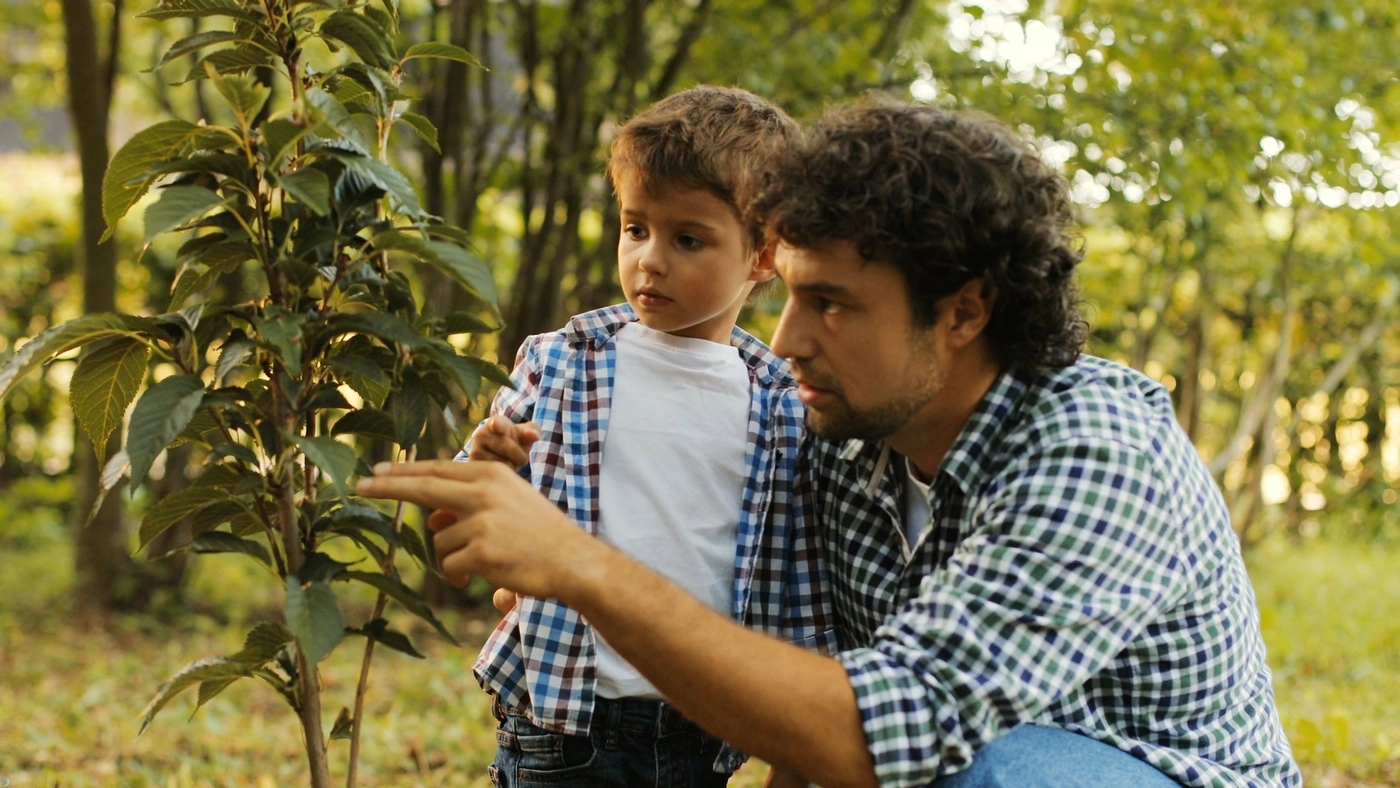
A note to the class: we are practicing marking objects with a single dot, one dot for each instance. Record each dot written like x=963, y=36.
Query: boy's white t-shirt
x=673, y=472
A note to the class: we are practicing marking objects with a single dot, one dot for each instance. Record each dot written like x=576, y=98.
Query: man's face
x=683, y=261
x=864, y=368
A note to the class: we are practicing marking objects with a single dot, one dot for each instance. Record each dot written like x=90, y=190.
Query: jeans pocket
x=544, y=756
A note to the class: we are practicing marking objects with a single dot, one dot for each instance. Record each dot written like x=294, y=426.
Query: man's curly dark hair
x=945, y=197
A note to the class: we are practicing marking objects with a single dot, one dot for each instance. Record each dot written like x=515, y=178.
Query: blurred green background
x=1237, y=168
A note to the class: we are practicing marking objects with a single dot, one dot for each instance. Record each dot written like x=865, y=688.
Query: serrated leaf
x=378, y=630
x=423, y=127
x=283, y=330
x=402, y=594
x=229, y=62
x=262, y=643
x=334, y=458
x=462, y=266
x=312, y=616
x=434, y=49
x=222, y=542
x=409, y=408
x=112, y=473
x=177, y=9
x=279, y=136
x=467, y=323
x=171, y=509
x=396, y=184
x=210, y=689
x=195, y=279
x=179, y=205
x=212, y=516
x=195, y=42
x=368, y=41
x=363, y=375
x=244, y=96
x=388, y=328
x=127, y=178
x=366, y=421
x=311, y=187
x=320, y=568
x=105, y=383
x=458, y=368
x=231, y=354
x=197, y=672
x=333, y=114
x=160, y=414
x=63, y=338
x=413, y=544
x=343, y=727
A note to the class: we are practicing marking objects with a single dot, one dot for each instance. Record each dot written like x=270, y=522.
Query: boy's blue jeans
x=1034, y=756
x=639, y=743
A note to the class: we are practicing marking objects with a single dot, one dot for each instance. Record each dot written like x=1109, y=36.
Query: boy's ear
x=763, y=265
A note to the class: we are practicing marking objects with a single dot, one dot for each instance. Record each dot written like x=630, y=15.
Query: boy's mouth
x=649, y=297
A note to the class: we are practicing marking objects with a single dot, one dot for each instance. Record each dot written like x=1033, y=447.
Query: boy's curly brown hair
x=718, y=139
x=945, y=197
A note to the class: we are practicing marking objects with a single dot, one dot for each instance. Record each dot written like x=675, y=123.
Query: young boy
x=672, y=434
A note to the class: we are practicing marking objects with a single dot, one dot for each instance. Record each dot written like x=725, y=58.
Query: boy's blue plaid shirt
x=541, y=657
x=1080, y=572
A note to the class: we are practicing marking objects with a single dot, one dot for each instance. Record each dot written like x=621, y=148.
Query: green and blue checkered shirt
x=1079, y=571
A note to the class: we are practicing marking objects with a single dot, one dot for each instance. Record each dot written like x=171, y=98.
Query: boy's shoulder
x=592, y=331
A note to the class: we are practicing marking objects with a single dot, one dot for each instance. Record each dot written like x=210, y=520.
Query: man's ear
x=967, y=311
x=763, y=267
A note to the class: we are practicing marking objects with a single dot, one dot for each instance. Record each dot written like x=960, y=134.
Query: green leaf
x=467, y=323
x=230, y=62
x=367, y=40
x=197, y=41
x=159, y=416
x=311, y=187
x=197, y=672
x=413, y=544
x=423, y=127
x=366, y=377
x=127, y=180
x=231, y=355
x=366, y=421
x=312, y=616
x=221, y=542
x=343, y=727
x=319, y=568
x=391, y=330
x=279, y=136
x=105, y=383
x=399, y=188
x=402, y=594
x=262, y=643
x=378, y=630
x=409, y=408
x=334, y=458
x=171, y=509
x=179, y=205
x=209, y=517
x=458, y=368
x=210, y=689
x=244, y=96
x=332, y=113
x=462, y=266
x=283, y=330
x=63, y=338
x=440, y=51
x=112, y=473
x=194, y=279
x=177, y=9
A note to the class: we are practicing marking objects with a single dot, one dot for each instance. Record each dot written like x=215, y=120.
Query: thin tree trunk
x=102, y=564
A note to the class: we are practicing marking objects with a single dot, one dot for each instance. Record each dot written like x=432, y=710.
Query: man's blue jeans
x=1034, y=756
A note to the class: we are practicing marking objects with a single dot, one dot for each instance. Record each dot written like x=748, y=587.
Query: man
x=1034, y=575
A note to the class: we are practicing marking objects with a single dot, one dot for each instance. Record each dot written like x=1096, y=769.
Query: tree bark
x=103, y=566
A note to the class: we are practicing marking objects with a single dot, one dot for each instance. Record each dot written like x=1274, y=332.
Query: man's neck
x=927, y=438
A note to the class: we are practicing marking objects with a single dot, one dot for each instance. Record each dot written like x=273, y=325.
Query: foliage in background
x=297, y=190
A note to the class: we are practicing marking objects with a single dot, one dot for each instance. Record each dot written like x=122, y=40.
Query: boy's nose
x=652, y=261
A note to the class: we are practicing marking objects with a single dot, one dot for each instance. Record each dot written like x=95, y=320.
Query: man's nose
x=790, y=339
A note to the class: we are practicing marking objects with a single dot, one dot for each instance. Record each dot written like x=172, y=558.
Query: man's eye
x=828, y=306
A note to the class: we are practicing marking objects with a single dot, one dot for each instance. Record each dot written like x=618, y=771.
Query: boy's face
x=684, y=261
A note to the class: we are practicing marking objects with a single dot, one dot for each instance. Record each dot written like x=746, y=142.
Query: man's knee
x=1035, y=756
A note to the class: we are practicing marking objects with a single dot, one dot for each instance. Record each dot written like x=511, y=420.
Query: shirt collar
x=967, y=461
x=598, y=327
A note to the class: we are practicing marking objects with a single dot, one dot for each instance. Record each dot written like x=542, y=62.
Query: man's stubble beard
x=844, y=422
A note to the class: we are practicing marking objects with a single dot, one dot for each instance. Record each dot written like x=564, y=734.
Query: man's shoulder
x=1095, y=399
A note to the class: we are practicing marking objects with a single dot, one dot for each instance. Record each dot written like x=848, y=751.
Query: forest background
x=1237, y=168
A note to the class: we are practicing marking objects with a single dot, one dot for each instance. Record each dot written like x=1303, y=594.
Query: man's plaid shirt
x=541, y=658
x=1080, y=571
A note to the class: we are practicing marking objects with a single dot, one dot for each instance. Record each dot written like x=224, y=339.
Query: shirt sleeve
x=1073, y=551
x=807, y=617
x=517, y=403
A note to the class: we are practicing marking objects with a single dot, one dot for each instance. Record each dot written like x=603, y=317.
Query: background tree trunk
x=104, y=569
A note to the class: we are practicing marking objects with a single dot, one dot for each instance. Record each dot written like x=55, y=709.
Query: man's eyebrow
x=821, y=289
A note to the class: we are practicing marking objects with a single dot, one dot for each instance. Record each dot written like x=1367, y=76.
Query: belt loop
x=614, y=724
x=498, y=708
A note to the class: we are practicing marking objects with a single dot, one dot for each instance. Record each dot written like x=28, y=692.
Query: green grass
x=72, y=698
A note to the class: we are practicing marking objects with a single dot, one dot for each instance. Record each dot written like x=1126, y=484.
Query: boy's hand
x=502, y=440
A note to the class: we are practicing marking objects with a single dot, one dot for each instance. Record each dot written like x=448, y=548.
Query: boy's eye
x=689, y=242
x=635, y=232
